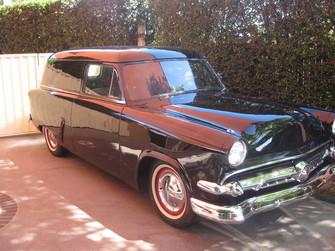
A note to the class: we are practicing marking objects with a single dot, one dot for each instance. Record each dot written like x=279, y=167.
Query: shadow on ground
x=66, y=203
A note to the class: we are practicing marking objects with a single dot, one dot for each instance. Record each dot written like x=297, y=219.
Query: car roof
x=125, y=54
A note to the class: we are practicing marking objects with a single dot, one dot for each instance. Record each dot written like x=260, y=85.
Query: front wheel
x=53, y=145
x=170, y=196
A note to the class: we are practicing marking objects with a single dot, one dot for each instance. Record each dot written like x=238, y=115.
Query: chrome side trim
x=102, y=98
x=239, y=213
x=203, y=122
x=274, y=162
x=49, y=88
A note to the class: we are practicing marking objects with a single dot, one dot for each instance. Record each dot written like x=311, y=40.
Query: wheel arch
x=146, y=163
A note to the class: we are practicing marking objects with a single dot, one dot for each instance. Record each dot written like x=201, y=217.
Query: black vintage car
x=161, y=118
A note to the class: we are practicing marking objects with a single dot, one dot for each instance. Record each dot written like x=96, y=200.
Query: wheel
x=170, y=196
x=54, y=147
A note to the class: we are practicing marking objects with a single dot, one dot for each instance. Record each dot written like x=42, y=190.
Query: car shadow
x=305, y=225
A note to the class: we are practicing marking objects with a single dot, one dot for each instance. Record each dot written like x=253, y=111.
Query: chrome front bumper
x=252, y=206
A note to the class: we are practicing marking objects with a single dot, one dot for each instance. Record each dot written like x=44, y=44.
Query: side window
x=102, y=80
x=65, y=75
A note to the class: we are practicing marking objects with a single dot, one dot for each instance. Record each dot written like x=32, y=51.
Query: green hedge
x=282, y=49
x=46, y=26
x=278, y=49
x=32, y=27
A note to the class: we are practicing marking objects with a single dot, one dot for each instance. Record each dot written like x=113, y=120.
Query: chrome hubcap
x=171, y=191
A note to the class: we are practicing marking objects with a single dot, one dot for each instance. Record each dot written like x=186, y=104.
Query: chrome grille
x=284, y=174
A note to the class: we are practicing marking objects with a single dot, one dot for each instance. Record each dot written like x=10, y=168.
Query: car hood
x=266, y=126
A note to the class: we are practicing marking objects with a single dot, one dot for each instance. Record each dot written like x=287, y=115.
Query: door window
x=102, y=80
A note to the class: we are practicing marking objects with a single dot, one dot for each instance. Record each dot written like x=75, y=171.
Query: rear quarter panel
x=53, y=110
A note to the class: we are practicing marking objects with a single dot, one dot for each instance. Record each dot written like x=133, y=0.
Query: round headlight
x=333, y=127
x=237, y=153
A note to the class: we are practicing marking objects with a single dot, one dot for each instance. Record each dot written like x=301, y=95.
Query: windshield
x=149, y=79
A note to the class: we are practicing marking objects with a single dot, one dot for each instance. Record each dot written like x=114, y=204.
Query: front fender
x=154, y=155
x=326, y=117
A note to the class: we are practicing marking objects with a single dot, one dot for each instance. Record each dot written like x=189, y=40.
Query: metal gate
x=18, y=74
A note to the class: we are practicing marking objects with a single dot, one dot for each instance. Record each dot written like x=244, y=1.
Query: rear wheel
x=170, y=195
x=53, y=145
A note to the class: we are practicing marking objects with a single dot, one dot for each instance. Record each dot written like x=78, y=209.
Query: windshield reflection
x=149, y=79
